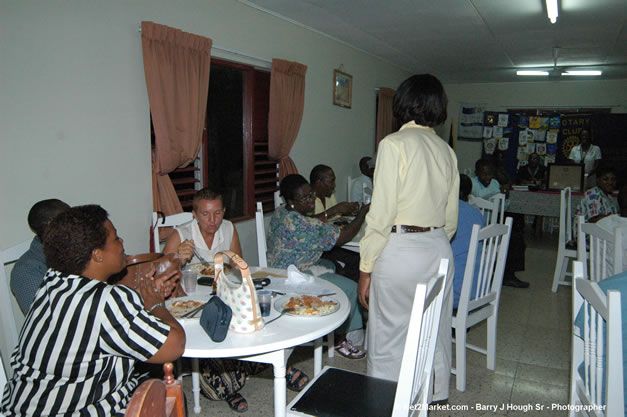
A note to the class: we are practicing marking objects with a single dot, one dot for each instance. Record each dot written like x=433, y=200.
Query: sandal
x=236, y=401
x=296, y=379
x=349, y=351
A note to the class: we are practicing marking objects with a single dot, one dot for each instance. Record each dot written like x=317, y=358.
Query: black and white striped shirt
x=77, y=349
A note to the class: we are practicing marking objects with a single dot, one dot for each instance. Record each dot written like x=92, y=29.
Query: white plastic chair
x=492, y=210
x=565, y=236
x=278, y=200
x=499, y=201
x=353, y=394
x=7, y=317
x=261, y=236
x=349, y=186
x=167, y=221
x=482, y=303
x=604, y=257
x=262, y=248
x=597, y=345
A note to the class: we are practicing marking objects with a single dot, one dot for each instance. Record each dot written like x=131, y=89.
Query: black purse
x=216, y=318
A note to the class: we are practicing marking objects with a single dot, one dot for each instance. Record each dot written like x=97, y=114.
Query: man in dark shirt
x=30, y=269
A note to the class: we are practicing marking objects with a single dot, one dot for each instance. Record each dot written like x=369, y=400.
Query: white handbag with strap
x=240, y=296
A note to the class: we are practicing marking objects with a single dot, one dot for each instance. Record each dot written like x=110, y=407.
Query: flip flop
x=296, y=379
x=234, y=402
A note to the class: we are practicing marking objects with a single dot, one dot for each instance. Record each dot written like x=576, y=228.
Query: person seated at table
x=208, y=233
x=614, y=221
x=221, y=379
x=361, y=188
x=598, y=202
x=587, y=154
x=82, y=337
x=30, y=269
x=322, y=179
x=532, y=173
x=485, y=186
x=297, y=239
x=500, y=173
x=467, y=217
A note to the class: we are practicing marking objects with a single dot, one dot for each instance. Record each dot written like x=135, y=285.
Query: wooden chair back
x=156, y=398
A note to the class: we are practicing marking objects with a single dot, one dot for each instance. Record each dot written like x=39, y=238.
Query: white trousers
x=408, y=259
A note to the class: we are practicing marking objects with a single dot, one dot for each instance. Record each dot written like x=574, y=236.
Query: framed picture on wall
x=342, y=89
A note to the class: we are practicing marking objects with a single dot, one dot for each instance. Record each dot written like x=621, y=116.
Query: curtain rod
x=228, y=51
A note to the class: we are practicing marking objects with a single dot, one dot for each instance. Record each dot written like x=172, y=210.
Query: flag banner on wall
x=571, y=126
x=471, y=122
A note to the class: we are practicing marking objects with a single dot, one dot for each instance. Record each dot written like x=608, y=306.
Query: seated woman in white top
x=209, y=233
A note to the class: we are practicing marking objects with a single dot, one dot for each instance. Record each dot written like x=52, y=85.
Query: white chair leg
x=491, y=344
x=331, y=344
x=559, y=265
x=460, y=358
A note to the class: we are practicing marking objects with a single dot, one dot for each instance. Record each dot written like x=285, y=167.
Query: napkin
x=300, y=283
x=296, y=278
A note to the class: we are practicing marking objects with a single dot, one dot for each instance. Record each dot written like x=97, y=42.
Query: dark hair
x=71, y=237
x=484, y=163
x=363, y=163
x=290, y=184
x=206, y=194
x=420, y=98
x=317, y=173
x=603, y=170
x=42, y=212
x=465, y=186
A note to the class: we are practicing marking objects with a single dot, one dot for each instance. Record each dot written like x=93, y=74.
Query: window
x=234, y=153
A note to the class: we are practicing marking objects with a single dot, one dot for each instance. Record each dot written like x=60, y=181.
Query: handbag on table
x=215, y=319
x=240, y=296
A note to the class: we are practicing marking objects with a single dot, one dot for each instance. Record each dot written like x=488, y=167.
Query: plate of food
x=307, y=305
x=178, y=307
x=208, y=270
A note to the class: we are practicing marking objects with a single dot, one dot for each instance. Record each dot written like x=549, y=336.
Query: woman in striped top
x=82, y=336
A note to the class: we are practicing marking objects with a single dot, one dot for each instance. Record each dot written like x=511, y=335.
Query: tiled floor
x=533, y=351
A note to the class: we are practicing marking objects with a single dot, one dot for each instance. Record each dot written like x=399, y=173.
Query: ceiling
x=463, y=41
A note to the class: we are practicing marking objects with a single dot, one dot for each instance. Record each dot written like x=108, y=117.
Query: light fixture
x=583, y=72
x=536, y=73
x=551, y=10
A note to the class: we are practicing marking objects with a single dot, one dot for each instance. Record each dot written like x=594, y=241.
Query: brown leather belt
x=413, y=229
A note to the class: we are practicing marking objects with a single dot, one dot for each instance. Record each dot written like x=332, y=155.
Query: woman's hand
x=186, y=250
x=347, y=209
x=150, y=289
x=363, y=288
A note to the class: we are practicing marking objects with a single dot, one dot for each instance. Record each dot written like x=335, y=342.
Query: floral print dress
x=595, y=202
x=298, y=240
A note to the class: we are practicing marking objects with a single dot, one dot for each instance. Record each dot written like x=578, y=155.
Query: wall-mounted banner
x=471, y=122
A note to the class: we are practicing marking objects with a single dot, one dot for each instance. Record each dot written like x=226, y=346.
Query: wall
x=74, y=110
x=501, y=96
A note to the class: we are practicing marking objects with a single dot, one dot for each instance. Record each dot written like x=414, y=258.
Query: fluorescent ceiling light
x=587, y=73
x=543, y=73
x=551, y=10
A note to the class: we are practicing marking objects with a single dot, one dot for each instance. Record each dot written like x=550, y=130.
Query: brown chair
x=156, y=398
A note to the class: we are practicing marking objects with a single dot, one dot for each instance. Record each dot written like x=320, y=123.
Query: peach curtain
x=176, y=65
x=386, y=123
x=287, y=102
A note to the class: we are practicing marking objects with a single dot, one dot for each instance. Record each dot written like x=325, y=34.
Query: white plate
x=182, y=305
x=279, y=305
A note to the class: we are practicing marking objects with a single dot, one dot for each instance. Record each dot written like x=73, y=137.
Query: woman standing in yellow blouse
x=412, y=217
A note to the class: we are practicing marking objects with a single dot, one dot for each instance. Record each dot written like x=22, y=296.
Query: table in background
x=539, y=203
x=273, y=344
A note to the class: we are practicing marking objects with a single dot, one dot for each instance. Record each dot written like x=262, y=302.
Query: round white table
x=273, y=344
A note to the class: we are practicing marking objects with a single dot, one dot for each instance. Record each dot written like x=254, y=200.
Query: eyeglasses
x=310, y=196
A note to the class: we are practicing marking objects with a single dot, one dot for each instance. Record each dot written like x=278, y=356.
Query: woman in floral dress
x=297, y=239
